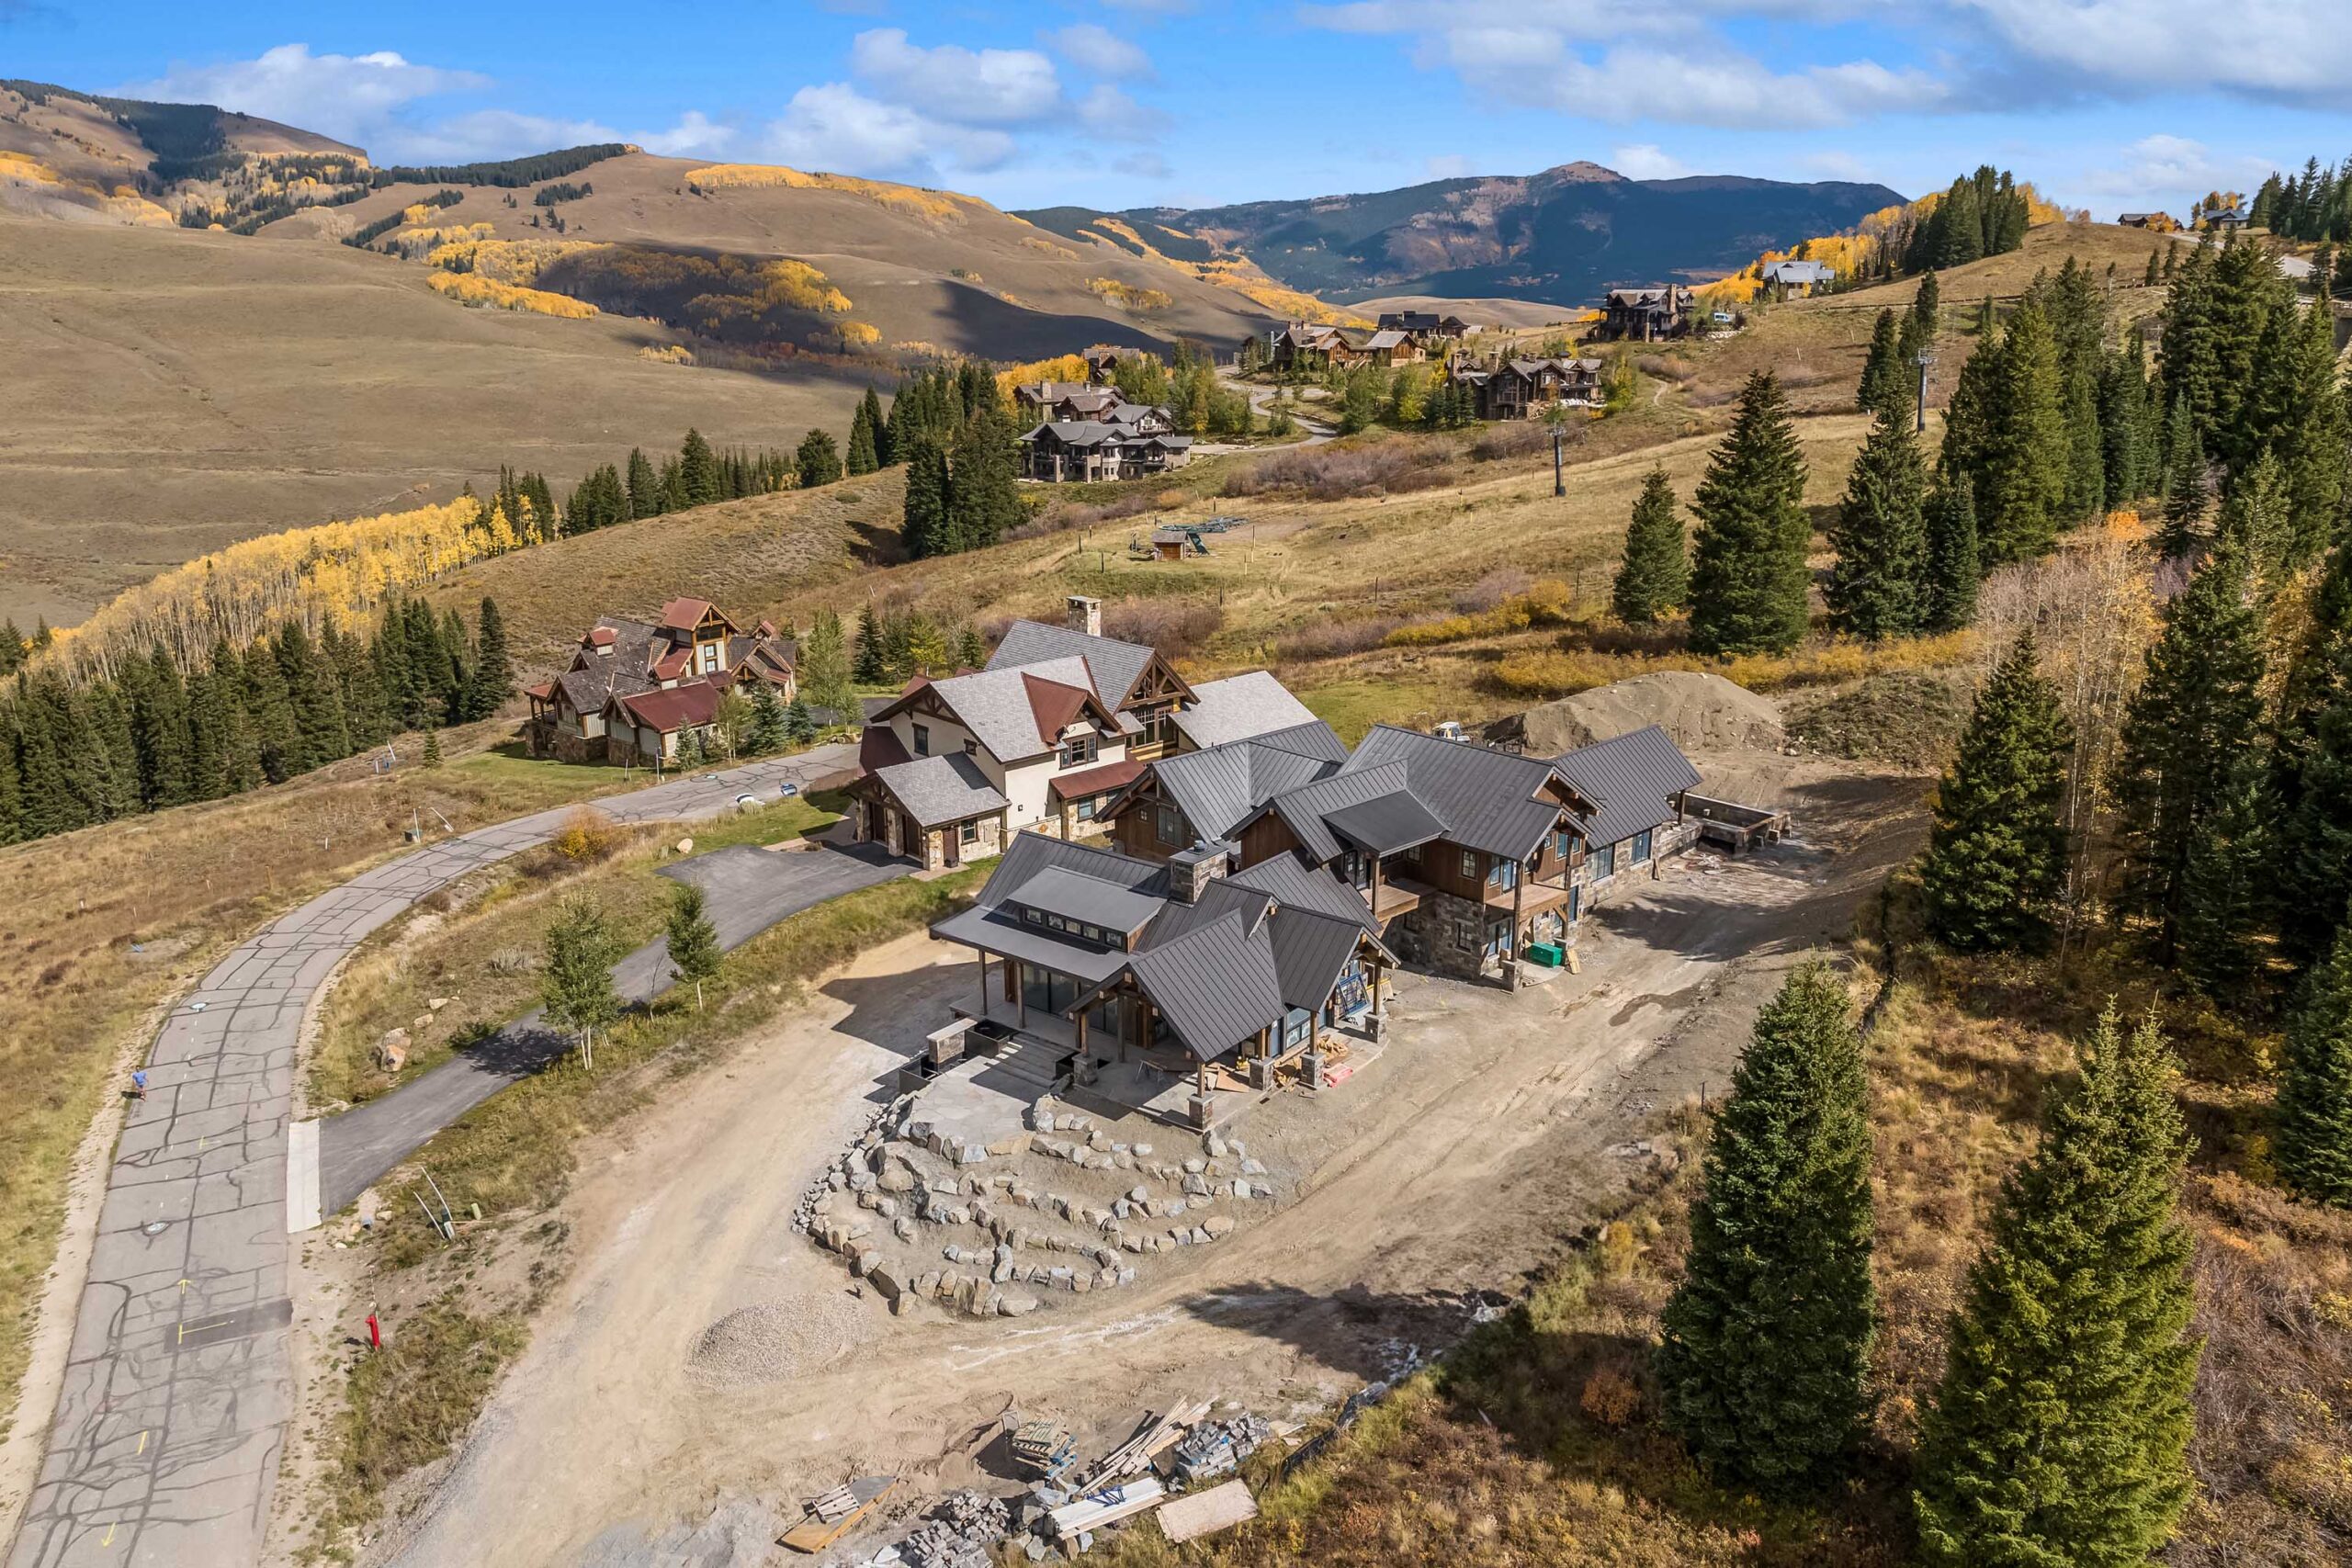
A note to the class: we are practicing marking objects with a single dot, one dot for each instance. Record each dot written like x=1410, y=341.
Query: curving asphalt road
x=164, y=1447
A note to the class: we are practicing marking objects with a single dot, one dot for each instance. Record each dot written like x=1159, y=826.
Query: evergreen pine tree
x=160, y=723
x=861, y=459
x=1883, y=371
x=2306, y=425
x=1767, y=1340
x=492, y=681
x=927, y=528
x=2200, y=704
x=2258, y=520
x=869, y=669
x=817, y=460
x=1879, y=588
x=1949, y=593
x=2021, y=467
x=697, y=471
x=2315, y=769
x=576, y=983
x=1654, y=579
x=971, y=649
x=270, y=708
x=432, y=745
x=12, y=647
x=2059, y=1434
x=984, y=498
x=2226, y=892
x=877, y=422
x=1926, y=304
x=691, y=939
x=312, y=690
x=767, y=720
x=211, y=708
x=1749, y=577
x=1997, y=855
x=2085, y=496
x=799, y=724
x=2314, y=1117
x=644, y=485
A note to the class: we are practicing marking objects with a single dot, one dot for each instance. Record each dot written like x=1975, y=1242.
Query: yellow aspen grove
x=337, y=572
x=468, y=289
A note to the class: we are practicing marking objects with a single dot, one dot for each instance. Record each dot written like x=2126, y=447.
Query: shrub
x=1503, y=582
x=1395, y=466
x=1518, y=438
x=1335, y=639
x=1174, y=628
x=587, y=835
x=1610, y=1397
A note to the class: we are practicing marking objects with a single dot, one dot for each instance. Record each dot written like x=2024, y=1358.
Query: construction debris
x=1205, y=1513
x=1073, y=1521
x=828, y=1517
x=1218, y=1448
x=958, y=1534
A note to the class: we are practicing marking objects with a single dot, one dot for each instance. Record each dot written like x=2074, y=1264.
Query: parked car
x=786, y=790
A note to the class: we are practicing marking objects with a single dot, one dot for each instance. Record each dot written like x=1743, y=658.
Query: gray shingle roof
x=994, y=704
x=1240, y=708
x=1294, y=885
x=1058, y=890
x=1116, y=665
x=1216, y=985
x=939, y=790
x=1485, y=798
x=1633, y=778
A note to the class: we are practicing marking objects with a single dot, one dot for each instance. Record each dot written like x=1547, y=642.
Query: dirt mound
x=769, y=1340
x=1701, y=711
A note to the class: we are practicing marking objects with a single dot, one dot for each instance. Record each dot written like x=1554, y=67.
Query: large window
x=923, y=741
x=1171, y=825
x=1504, y=875
x=1046, y=991
x=1641, y=846
x=1298, y=1028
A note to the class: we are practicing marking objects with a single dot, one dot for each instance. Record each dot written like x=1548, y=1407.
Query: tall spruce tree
x=879, y=422
x=2200, y=705
x=860, y=457
x=928, y=526
x=1883, y=371
x=1997, y=855
x=870, y=669
x=1879, y=588
x=2227, y=892
x=984, y=501
x=2314, y=1133
x=817, y=460
x=1767, y=1340
x=697, y=472
x=492, y=681
x=692, y=940
x=2059, y=1434
x=1654, y=578
x=1953, y=573
x=1749, y=577
x=2021, y=465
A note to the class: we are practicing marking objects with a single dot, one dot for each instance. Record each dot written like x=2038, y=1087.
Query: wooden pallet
x=832, y=1515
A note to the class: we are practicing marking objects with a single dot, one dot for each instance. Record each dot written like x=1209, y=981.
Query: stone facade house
x=1525, y=388
x=1171, y=988
x=1648, y=315
x=1118, y=441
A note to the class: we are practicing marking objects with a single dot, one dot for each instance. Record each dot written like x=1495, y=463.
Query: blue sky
x=2109, y=104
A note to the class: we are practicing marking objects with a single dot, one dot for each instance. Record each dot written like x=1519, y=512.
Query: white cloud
x=2169, y=172
x=1143, y=166
x=1092, y=46
x=834, y=127
x=353, y=98
x=1448, y=166
x=1111, y=112
x=987, y=86
x=2295, y=50
x=1646, y=161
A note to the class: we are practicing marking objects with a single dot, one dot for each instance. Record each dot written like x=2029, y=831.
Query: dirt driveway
x=1473, y=1151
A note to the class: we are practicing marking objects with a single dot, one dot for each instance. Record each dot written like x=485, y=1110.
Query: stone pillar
x=1311, y=1068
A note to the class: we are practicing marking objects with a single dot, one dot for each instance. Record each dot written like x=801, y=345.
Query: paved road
x=165, y=1447
x=750, y=889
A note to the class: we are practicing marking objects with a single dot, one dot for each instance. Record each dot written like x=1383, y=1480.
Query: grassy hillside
x=927, y=268
x=1561, y=236
x=176, y=390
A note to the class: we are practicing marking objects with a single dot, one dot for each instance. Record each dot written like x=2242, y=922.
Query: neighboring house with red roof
x=586, y=713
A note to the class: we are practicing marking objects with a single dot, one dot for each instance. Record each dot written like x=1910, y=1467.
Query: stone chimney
x=1191, y=871
x=1085, y=614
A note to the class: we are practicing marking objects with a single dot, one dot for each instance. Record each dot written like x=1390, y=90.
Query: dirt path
x=1470, y=1154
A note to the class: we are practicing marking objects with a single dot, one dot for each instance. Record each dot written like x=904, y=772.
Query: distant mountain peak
x=1581, y=171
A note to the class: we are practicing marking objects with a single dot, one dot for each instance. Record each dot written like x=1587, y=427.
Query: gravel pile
x=770, y=1341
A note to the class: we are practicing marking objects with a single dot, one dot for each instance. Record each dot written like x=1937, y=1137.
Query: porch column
x=1084, y=1071
x=1375, y=889
x=984, y=980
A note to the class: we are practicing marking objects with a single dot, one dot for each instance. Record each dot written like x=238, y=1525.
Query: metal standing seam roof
x=1311, y=952
x=1031, y=853
x=1114, y=666
x=1219, y=898
x=1004, y=932
x=1216, y=987
x=939, y=790
x=1485, y=798
x=1633, y=778
x=1058, y=890
x=1240, y=708
x=1294, y=885
x=1304, y=810
x=1217, y=789
x=1387, y=824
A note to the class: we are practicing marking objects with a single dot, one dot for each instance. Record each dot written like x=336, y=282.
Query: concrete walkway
x=748, y=890
x=166, y=1442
